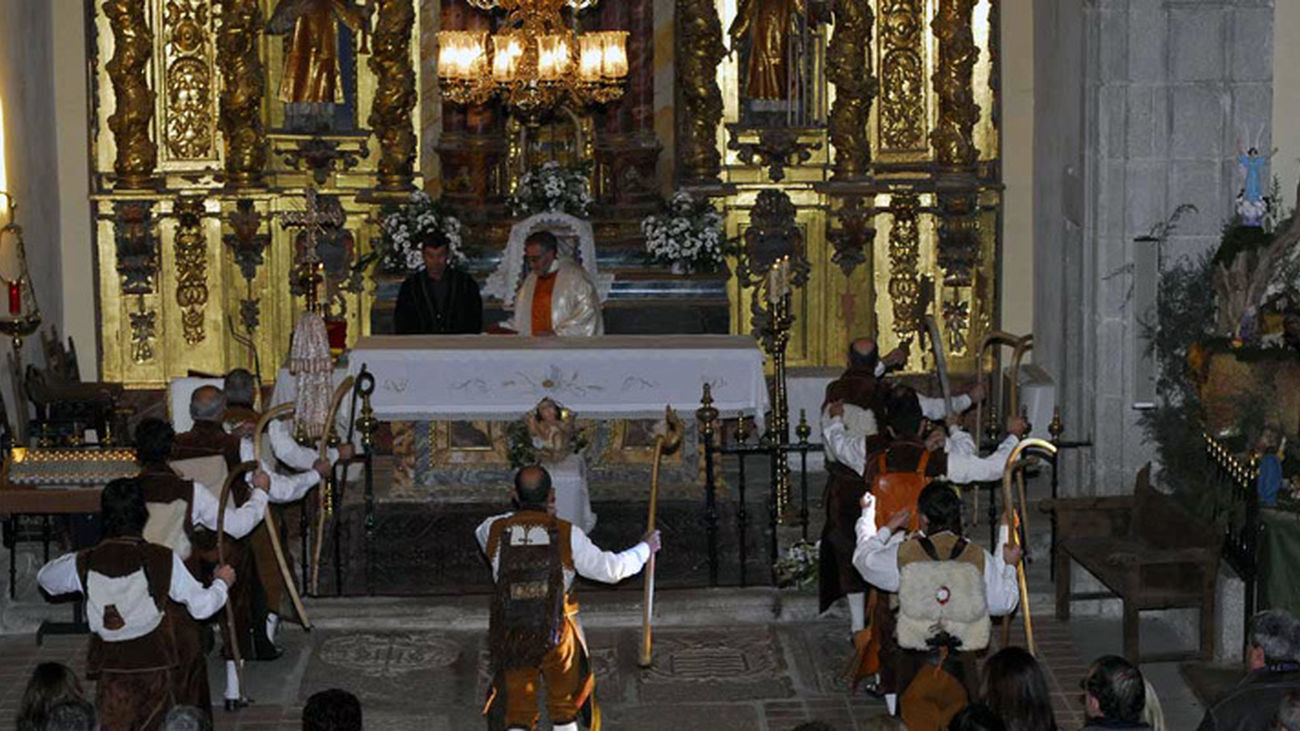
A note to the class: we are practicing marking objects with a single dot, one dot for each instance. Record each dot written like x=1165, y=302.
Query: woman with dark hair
x=50, y=684
x=1015, y=688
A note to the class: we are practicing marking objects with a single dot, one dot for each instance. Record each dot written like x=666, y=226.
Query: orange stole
x=542, y=303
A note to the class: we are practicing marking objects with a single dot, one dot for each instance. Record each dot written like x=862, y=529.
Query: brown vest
x=205, y=439
x=118, y=557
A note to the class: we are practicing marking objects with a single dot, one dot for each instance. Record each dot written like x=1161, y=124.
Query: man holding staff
x=534, y=624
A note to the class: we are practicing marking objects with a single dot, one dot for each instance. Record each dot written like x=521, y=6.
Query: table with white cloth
x=449, y=399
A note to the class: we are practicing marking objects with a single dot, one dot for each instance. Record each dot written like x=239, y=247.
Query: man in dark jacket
x=440, y=299
x=1274, y=661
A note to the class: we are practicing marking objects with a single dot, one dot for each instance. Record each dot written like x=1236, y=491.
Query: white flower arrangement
x=688, y=233
x=399, y=249
x=552, y=187
x=797, y=569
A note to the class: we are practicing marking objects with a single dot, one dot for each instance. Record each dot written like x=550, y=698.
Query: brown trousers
x=566, y=687
x=134, y=701
x=190, y=677
x=268, y=571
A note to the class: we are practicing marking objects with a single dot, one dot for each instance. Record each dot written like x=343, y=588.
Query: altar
x=449, y=401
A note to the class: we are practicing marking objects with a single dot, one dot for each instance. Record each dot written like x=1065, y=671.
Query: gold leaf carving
x=243, y=86
x=130, y=122
x=849, y=69
x=390, y=115
x=700, y=50
x=904, y=254
x=188, y=85
x=952, y=138
x=191, y=266
x=902, y=95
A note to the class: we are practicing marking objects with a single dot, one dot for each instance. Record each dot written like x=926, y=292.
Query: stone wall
x=1139, y=109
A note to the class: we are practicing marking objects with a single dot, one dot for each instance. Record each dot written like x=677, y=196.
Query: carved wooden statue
x=311, y=65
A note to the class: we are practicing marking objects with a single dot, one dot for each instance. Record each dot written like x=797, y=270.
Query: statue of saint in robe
x=311, y=82
x=557, y=297
x=765, y=28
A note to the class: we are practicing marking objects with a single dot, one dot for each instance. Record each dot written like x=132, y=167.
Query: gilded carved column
x=952, y=138
x=700, y=49
x=130, y=123
x=849, y=69
x=904, y=255
x=390, y=115
x=243, y=86
x=191, y=265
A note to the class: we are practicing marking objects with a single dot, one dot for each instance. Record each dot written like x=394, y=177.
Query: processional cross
x=313, y=220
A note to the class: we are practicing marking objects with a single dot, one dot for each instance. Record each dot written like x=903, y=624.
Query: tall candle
x=15, y=298
x=4, y=168
x=772, y=286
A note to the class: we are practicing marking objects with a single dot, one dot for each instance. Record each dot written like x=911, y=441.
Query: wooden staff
x=272, y=527
x=231, y=628
x=1014, y=534
x=667, y=438
x=326, y=482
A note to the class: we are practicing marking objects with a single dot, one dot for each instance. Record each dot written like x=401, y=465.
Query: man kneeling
x=947, y=587
x=534, y=624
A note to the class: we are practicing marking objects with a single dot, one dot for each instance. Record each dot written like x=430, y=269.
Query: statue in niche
x=312, y=85
x=771, y=36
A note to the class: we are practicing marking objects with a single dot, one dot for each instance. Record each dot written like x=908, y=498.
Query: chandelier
x=533, y=62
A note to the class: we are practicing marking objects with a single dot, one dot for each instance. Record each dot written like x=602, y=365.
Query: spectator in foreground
x=332, y=710
x=73, y=714
x=1116, y=694
x=1288, y=714
x=976, y=717
x=1015, y=689
x=187, y=718
x=1273, y=662
x=50, y=684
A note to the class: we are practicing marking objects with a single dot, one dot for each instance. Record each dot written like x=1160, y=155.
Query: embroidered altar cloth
x=468, y=377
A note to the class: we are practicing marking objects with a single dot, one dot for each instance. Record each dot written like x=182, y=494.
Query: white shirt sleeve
x=876, y=553
x=959, y=441
x=240, y=521
x=842, y=448
x=880, y=369
x=935, y=409
x=284, y=488
x=289, y=451
x=964, y=469
x=60, y=576
x=202, y=602
x=1001, y=585
x=606, y=566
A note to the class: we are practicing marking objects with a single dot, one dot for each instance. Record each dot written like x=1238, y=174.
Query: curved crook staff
x=326, y=483
x=1013, y=537
x=231, y=628
x=271, y=527
x=668, y=437
x=991, y=338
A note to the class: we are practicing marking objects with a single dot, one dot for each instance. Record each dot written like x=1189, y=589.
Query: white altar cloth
x=495, y=377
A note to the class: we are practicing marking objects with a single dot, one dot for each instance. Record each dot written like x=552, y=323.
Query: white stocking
x=570, y=726
x=272, y=624
x=232, y=680
x=891, y=703
x=857, y=612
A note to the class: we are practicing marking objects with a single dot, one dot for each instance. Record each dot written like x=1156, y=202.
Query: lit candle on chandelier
x=4, y=168
x=16, y=297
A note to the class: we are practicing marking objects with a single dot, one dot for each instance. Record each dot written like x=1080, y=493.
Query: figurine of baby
x=551, y=433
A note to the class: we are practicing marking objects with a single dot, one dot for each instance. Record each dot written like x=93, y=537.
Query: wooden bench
x=1147, y=550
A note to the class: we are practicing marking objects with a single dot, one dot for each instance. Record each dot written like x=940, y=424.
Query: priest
x=440, y=298
x=558, y=297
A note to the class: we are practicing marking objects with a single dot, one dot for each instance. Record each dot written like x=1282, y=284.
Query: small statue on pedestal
x=555, y=436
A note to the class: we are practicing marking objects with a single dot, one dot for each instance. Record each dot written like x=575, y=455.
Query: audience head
x=978, y=717
x=207, y=403
x=1115, y=690
x=533, y=488
x=122, y=508
x=939, y=508
x=50, y=684
x=153, y=441
x=332, y=710
x=435, y=250
x=1274, y=638
x=1288, y=712
x=74, y=714
x=1015, y=688
x=186, y=718
x=540, y=250
x=864, y=354
x=904, y=416
x=240, y=388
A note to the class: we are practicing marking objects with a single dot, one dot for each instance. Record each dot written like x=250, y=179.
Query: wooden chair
x=1147, y=550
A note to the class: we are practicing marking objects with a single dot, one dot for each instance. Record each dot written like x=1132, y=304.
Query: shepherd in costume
x=135, y=593
x=183, y=517
x=557, y=297
x=241, y=418
x=440, y=298
x=947, y=589
x=534, y=625
x=861, y=398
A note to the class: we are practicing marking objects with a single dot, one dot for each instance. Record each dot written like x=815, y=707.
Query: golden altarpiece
x=859, y=138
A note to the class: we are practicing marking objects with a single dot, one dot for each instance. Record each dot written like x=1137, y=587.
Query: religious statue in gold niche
x=766, y=29
x=311, y=84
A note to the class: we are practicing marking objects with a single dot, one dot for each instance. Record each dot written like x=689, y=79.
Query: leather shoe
x=234, y=704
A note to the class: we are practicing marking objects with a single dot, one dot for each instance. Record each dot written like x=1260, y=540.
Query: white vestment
x=575, y=303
